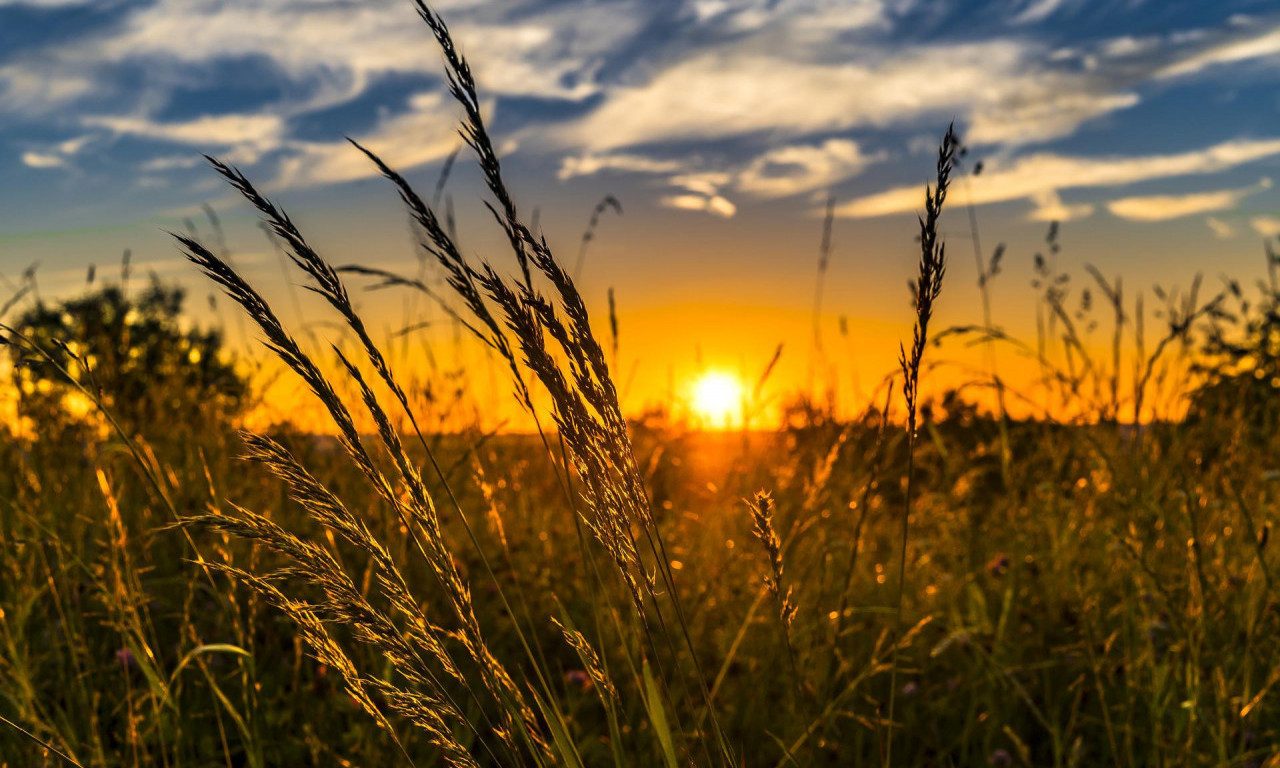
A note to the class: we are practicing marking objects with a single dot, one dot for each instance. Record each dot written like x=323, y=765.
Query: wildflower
x=125, y=658
x=1001, y=757
x=579, y=679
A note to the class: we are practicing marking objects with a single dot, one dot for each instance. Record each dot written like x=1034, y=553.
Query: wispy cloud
x=44, y=3
x=1256, y=46
x=812, y=18
x=1007, y=96
x=428, y=132
x=1221, y=229
x=57, y=154
x=1165, y=207
x=781, y=172
x=712, y=204
x=31, y=91
x=1038, y=10
x=794, y=169
x=588, y=165
x=1050, y=207
x=42, y=160
x=315, y=55
x=251, y=134
x=1037, y=174
x=1267, y=226
x=547, y=52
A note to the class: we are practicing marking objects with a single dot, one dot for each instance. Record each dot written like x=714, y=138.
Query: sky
x=1148, y=128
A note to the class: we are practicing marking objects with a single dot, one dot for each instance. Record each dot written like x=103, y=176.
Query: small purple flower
x=577, y=679
x=1001, y=757
x=125, y=658
x=910, y=689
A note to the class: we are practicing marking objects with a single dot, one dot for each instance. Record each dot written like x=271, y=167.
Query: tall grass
x=928, y=286
x=596, y=594
x=557, y=347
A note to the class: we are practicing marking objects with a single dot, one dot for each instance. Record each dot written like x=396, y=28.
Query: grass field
x=928, y=583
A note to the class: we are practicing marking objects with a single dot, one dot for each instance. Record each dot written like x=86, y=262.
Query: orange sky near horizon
x=687, y=315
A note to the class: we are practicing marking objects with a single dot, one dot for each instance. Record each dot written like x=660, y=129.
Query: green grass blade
x=658, y=717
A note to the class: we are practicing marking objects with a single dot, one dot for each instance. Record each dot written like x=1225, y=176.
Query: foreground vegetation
x=927, y=584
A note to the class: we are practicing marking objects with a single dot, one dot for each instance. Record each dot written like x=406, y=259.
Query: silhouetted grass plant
x=590, y=426
x=928, y=285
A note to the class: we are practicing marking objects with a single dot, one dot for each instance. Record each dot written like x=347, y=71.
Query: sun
x=717, y=399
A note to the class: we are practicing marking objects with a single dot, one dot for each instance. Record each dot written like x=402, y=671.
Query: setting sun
x=717, y=399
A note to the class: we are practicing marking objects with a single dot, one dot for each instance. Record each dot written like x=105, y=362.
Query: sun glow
x=717, y=399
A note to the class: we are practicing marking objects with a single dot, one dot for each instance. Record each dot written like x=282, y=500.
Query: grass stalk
x=928, y=286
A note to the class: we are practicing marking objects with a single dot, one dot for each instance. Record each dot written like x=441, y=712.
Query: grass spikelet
x=416, y=509
x=585, y=400
x=928, y=285
x=607, y=203
x=590, y=661
x=762, y=529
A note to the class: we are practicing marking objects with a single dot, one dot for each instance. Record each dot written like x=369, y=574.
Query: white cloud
x=706, y=183
x=803, y=168
x=798, y=18
x=44, y=3
x=780, y=172
x=249, y=136
x=1000, y=85
x=171, y=163
x=1267, y=226
x=317, y=54
x=552, y=53
x=1049, y=207
x=42, y=160
x=73, y=146
x=1221, y=229
x=56, y=154
x=1164, y=207
x=587, y=165
x=713, y=204
x=37, y=88
x=428, y=132
x=1258, y=46
x=217, y=130
x=1049, y=106
x=1127, y=46
x=1038, y=10
x=1036, y=174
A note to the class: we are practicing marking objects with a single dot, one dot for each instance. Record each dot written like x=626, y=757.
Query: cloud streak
x=428, y=132
x=1165, y=207
x=1007, y=96
x=1038, y=174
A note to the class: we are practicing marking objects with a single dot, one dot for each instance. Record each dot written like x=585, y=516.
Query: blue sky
x=1150, y=128
x=716, y=101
